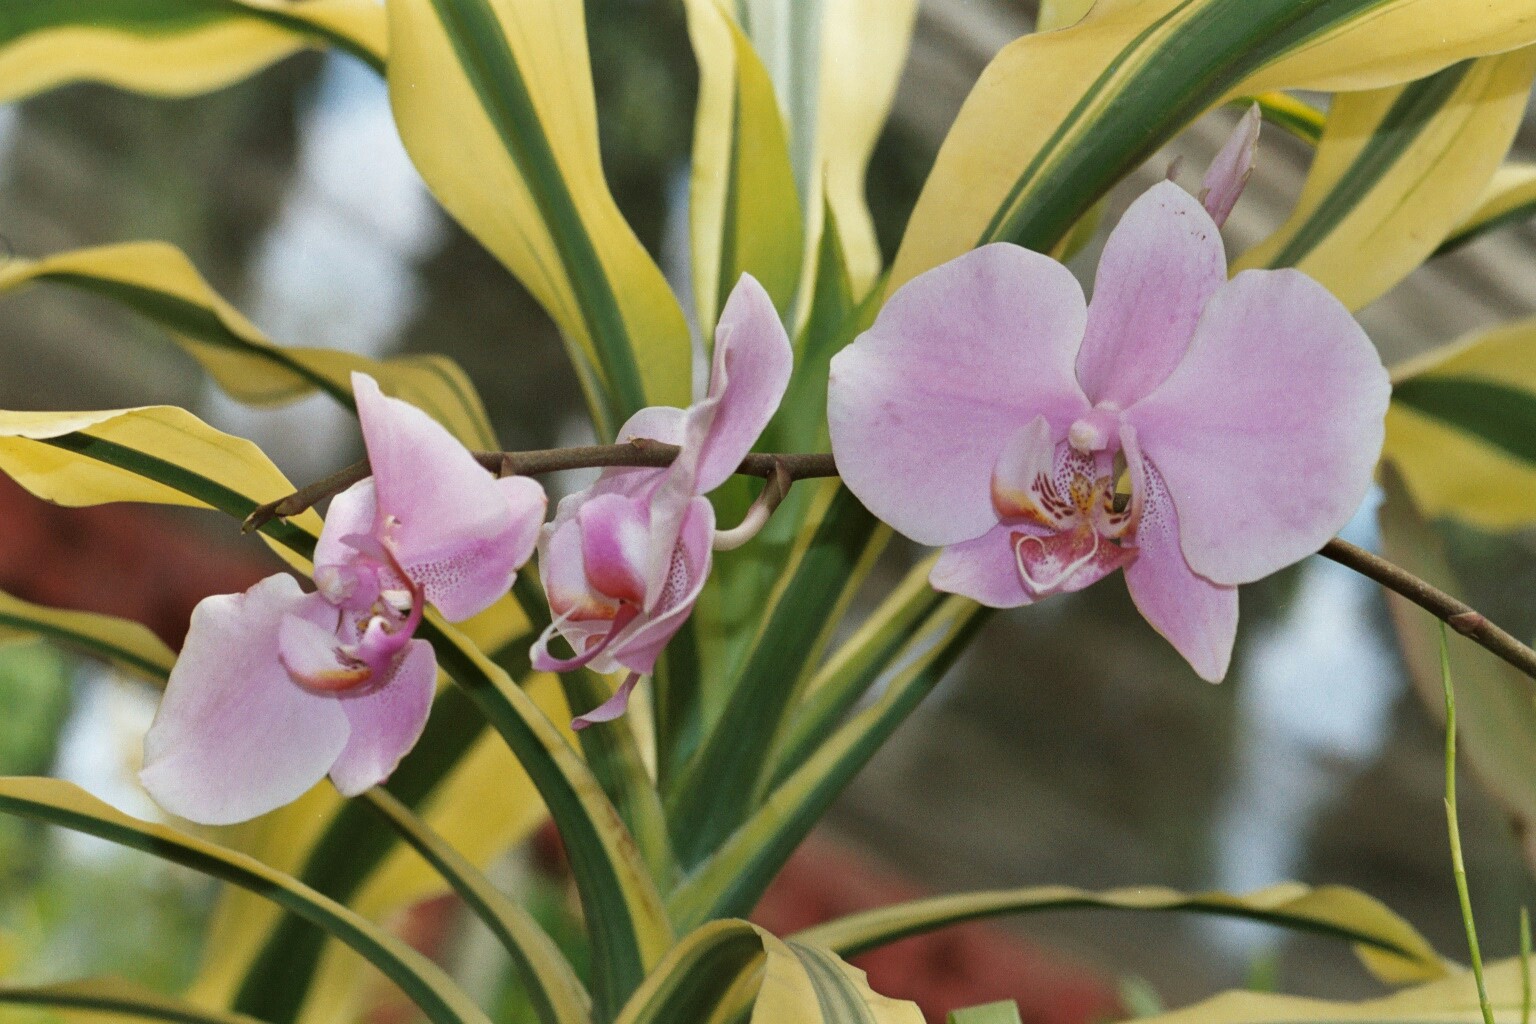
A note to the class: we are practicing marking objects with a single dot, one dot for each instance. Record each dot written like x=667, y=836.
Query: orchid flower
x=275, y=688
x=623, y=561
x=1196, y=432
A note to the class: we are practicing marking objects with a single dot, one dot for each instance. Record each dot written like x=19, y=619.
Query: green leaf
x=1387, y=944
x=172, y=47
x=1460, y=427
x=124, y=644
x=158, y=282
x=1510, y=198
x=557, y=996
x=1452, y=1000
x=103, y=997
x=1396, y=170
x=63, y=804
x=714, y=795
x=1103, y=95
x=990, y=1013
x=734, y=877
x=744, y=209
x=494, y=102
x=729, y=968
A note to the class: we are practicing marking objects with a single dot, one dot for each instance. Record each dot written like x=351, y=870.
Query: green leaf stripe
x=838, y=1004
x=1145, y=96
x=1414, y=109
x=13, y=616
x=1502, y=416
x=488, y=62
x=153, y=18
x=61, y=804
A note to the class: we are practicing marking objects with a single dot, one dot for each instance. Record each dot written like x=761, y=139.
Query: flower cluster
x=1193, y=431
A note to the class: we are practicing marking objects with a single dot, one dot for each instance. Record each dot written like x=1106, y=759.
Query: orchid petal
x=1229, y=171
x=960, y=358
x=1198, y=617
x=446, y=519
x=562, y=568
x=344, y=579
x=611, y=708
x=1027, y=462
x=615, y=546
x=1160, y=265
x=687, y=570
x=747, y=381
x=386, y=720
x=235, y=737
x=982, y=570
x=309, y=652
x=1267, y=433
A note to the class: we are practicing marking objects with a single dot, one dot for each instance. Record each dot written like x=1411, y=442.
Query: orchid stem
x=1458, y=866
x=785, y=469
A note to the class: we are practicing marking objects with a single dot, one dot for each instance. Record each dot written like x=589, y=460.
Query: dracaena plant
x=1196, y=425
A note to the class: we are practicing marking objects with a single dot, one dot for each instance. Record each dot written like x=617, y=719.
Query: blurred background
x=1070, y=746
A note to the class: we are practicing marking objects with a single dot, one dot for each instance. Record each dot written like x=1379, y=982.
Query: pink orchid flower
x=1196, y=432
x=624, y=560
x=275, y=688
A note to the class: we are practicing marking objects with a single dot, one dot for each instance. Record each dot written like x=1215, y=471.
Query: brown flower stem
x=782, y=470
x=1461, y=617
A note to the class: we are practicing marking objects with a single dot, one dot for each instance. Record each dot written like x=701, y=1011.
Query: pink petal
x=1160, y=265
x=235, y=737
x=1027, y=460
x=1267, y=433
x=750, y=372
x=386, y=720
x=1067, y=561
x=638, y=647
x=615, y=546
x=344, y=579
x=1195, y=615
x=1228, y=173
x=446, y=519
x=562, y=569
x=309, y=652
x=982, y=570
x=611, y=708
x=959, y=360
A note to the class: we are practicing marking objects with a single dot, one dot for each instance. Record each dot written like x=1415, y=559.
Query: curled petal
x=611, y=708
x=310, y=652
x=615, y=546
x=960, y=358
x=638, y=647
x=747, y=381
x=1198, y=617
x=1228, y=173
x=386, y=720
x=1267, y=433
x=235, y=737
x=346, y=580
x=1161, y=264
x=982, y=570
x=447, y=521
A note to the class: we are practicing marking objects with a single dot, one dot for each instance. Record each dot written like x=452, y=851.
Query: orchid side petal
x=960, y=358
x=688, y=568
x=748, y=378
x=1196, y=616
x=386, y=720
x=444, y=517
x=1267, y=433
x=1229, y=171
x=345, y=580
x=1026, y=465
x=1161, y=264
x=235, y=737
x=982, y=570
